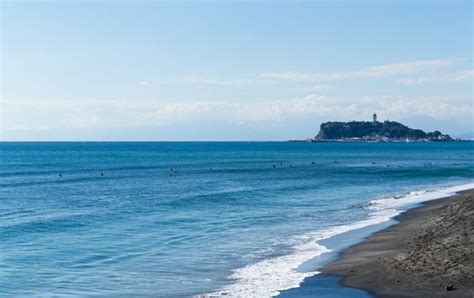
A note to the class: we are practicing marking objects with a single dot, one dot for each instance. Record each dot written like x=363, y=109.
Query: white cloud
x=205, y=81
x=394, y=69
x=100, y=114
x=37, y=114
x=278, y=110
x=269, y=78
x=294, y=76
x=380, y=71
x=460, y=76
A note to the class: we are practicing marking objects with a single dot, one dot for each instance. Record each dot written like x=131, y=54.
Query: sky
x=231, y=70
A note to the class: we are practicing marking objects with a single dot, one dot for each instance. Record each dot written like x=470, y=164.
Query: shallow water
x=191, y=218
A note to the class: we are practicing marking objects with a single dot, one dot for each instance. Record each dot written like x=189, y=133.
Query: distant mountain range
x=375, y=131
x=455, y=127
x=466, y=136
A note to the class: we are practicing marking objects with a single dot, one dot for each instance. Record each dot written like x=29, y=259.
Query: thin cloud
x=100, y=114
x=205, y=81
x=293, y=76
x=395, y=69
x=380, y=71
x=270, y=78
x=461, y=76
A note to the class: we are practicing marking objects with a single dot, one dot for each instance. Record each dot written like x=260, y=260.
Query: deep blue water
x=192, y=218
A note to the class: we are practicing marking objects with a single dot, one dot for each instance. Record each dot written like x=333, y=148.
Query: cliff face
x=387, y=129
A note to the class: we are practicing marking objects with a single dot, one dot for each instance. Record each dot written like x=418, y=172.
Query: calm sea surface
x=164, y=219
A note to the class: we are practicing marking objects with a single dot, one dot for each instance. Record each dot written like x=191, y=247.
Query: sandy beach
x=430, y=253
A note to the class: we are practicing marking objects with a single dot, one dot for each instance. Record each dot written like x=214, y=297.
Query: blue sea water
x=198, y=218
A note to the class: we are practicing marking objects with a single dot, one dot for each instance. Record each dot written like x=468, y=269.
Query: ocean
x=201, y=218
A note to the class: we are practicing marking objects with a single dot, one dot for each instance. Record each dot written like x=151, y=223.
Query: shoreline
x=334, y=243
x=429, y=250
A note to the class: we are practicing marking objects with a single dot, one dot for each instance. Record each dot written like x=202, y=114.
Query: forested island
x=375, y=131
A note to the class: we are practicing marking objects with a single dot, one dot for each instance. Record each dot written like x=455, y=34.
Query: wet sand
x=430, y=253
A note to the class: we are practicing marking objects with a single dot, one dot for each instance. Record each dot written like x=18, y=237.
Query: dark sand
x=431, y=248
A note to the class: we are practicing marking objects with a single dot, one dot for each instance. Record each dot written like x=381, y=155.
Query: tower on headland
x=374, y=116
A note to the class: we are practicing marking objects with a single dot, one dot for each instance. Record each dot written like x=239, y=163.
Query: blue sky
x=227, y=70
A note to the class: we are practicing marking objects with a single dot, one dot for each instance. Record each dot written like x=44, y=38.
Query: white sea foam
x=269, y=277
x=416, y=197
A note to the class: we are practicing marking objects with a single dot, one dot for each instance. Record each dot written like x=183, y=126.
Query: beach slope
x=430, y=253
